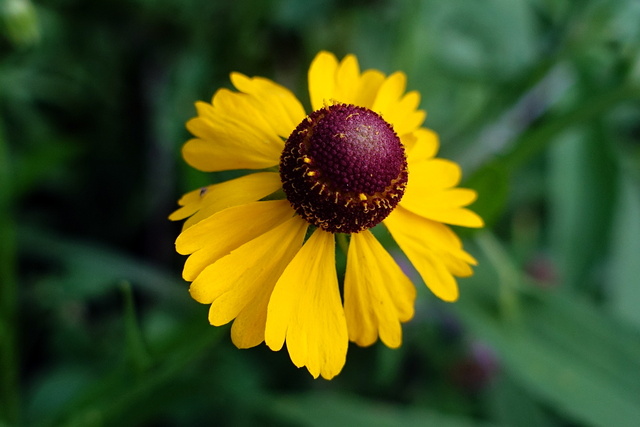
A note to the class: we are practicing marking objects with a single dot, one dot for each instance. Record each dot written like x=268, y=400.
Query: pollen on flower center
x=343, y=168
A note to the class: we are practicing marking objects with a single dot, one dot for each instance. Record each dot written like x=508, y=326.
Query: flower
x=359, y=159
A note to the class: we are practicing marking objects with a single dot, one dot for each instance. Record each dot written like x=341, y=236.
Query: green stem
x=341, y=239
x=534, y=141
x=133, y=334
x=537, y=140
x=9, y=387
x=508, y=275
x=117, y=396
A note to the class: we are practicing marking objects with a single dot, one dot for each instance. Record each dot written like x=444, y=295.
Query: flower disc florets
x=343, y=169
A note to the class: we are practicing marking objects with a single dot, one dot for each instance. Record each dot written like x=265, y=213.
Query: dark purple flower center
x=343, y=169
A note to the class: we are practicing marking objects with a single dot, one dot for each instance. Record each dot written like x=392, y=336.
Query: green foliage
x=537, y=99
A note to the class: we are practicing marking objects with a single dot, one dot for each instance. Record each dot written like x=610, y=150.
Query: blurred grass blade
x=508, y=277
x=531, y=143
x=9, y=359
x=564, y=377
x=538, y=138
x=625, y=250
x=92, y=269
x=340, y=409
x=118, y=399
x=581, y=193
x=135, y=344
x=511, y=405
x=566, y=352
x=492, y=184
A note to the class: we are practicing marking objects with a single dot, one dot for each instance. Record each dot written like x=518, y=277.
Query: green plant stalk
x=9, y=386
x=115, y=395
x=537, y=140
x=534, y=141
x=343, y=244
x=133, y=334
x=508, y=276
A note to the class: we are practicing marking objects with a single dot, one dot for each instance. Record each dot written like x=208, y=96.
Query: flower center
x=343, y=169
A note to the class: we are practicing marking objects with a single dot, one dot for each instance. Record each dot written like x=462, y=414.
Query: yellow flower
x=360, y=158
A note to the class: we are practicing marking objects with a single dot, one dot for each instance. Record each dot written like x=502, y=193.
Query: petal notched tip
x=306, y=310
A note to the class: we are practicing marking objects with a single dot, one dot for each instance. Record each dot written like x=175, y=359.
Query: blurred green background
x=537, y=99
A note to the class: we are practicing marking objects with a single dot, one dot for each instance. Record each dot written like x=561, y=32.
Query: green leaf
x=20, y=22
x=606, y=346
x=92, y=269
x=562, y=377
x=511, y=405
x=581, y=192
x=624, y=269
x=136, y=346
x=493, y=180
x=117, y=397
x=492, y=185
x=563, y=350
x=336, y=409
x=9, y=301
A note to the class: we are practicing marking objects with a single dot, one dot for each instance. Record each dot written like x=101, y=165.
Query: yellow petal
x=190, y=203
x=390, y=92
x=453, y=197
x=278, y=105
x=404, y=115
x=454, y=216
x=234, y=278
x=206, y=201
x=430, y=193
x=240, y=283
x=434, y=174
x=347, y=80
x=370, y=82
x=377, y=294
x=459, y=267
x=305, y=309
x=430, y=247
x=216, y=236
x=420, y=202
x=396, y=107
x=421, y=144
x=249, y=326
x=231, y=134
x=322, y=79
x=332, y=81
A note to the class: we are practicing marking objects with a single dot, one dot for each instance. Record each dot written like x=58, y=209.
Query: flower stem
x=341, y=239
x=9, y=387
x=508, y=275
x=532, y=143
